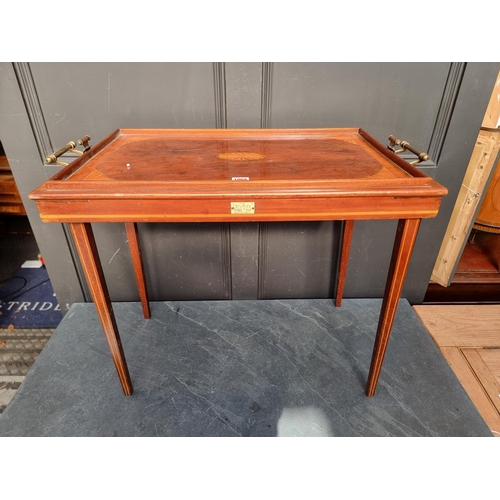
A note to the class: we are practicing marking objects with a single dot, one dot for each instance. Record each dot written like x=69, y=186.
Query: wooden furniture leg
x=87, y=249
x=403, y=246
x=135, y=252
x=344, y=259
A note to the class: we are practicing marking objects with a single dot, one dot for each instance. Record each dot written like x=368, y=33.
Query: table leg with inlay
x=135, y=253
x=344, y=259
x=89, y=256
x=406, y=236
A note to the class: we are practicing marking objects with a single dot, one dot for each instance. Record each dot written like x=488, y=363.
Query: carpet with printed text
x=27, y=300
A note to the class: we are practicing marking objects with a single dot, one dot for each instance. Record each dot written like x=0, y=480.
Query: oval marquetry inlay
x=240, y=156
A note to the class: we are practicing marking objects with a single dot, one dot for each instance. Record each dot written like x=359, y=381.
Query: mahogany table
x=246, y=175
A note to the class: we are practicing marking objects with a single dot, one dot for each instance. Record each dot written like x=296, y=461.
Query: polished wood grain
x=462, y=325
x=467, y=336
x=492, y=387
x=218, y=209
x=200, y=175
x=491, y=358
x=474, y=387
x=135, y=253
x=87, y=249
x=489, y=213
x=344, y=259
x=277, y=162
x=187, y=176
x=406, y=236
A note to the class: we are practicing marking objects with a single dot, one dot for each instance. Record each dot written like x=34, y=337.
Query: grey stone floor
x=241, y=368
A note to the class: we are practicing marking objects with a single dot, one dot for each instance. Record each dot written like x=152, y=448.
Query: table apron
x=217, y=210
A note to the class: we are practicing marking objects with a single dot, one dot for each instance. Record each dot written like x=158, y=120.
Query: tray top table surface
x=165, y=162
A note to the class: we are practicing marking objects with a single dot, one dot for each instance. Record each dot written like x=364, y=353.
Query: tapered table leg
x=344, y=259
x=135, y=252
x=87, y=249
x=403, y=246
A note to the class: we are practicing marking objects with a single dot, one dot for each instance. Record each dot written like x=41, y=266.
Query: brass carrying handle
x=422, y=156
x=53, y=158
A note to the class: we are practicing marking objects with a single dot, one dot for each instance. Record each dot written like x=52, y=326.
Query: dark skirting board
x=242, y=368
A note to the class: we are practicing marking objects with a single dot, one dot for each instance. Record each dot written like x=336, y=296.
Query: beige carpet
x=18, y=351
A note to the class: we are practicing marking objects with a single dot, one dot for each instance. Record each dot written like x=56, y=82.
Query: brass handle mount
x=71, y=146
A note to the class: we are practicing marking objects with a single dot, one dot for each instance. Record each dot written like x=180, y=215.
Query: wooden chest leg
x=403, y=246
x=135, y=252
x=87, y=250
x=344, y=259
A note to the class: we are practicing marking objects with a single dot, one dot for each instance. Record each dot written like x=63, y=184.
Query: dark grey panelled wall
x=97, y=98
x=383, y=98
x=436, y=106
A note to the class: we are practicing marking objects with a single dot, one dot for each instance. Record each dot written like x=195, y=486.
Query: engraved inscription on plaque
x=240, y=156
x=242, y=207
